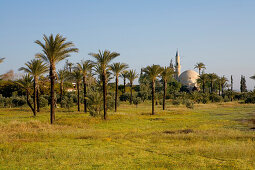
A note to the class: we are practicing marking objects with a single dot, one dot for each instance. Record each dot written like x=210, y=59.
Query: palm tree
x=153, y=72
x=85, y=67
x=103, y=58
x=77, y=76
x=124, y=75
x=117, y=68
x=26, y=83
x=212, y=77
x=132, y=75
x=200, y=66
x=167, y=74
x=202, y=80
x=36, y=68
x=62, y=77
x=1, y=60
x=54, y=50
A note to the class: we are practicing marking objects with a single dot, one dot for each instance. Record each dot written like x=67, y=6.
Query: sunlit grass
x=209, y=137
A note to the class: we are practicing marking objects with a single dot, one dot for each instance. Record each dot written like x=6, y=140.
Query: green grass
x=218, y=136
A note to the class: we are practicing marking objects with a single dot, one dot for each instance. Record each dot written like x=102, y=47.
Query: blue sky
x=219, y=33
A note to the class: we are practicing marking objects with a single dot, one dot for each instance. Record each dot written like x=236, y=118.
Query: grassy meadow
x=210, y=136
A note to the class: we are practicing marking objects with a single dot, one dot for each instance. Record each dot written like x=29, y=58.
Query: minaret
x=177, y=65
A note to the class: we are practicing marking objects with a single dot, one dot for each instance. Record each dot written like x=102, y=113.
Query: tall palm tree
x=103, y=58
x=54, y=50
x=36, y=68
x=117, y=68
x=132, y=75
x=77, y=76
x=166, y=74
x=124, y=75
x=26, y=83
x=153, y=72
x=200, y=66
x=1, y=60
x=62, y=77
x=212, y=77
x=85, y=67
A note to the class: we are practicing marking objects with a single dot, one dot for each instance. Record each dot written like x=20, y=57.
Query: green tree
x=117, y=68
x=212, y=78
x=103, y=58
x=153, y=72
x=26, y=83
x=35, y=68
x=62, y=78
x=77, y=76
x=54, y=50
x=202, y=80
x=200, y=66
x=124, y=75
x=132, y=75
x=243, y=87
x=166, y=74
x=223, y=83
x=85, y=67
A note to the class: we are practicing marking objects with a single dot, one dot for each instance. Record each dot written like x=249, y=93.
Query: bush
x=137, y=101
x=176, y=102
x=125, y=97
x=189, y=104
x=215, y=98
x=250, y=100
x=95, y=104
x=43, y=102
x=18, y=101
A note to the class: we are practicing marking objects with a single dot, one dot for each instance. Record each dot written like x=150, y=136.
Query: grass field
x=211, y=136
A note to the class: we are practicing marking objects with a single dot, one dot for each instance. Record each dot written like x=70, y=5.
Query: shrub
x=250, y=100
x=18, y=101
x=125, y=97
x=176, y=102
x=43, y=102
x=189, y=104
x=137, y=101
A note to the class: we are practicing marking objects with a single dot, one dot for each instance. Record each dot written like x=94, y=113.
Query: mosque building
x=188, y=78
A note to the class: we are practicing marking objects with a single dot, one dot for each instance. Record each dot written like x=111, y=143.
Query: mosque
x=188, y=78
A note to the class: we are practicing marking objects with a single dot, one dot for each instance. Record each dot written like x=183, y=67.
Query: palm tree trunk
x=78, y=95
x=35, y=95
x=222, y=90
x=199, y=70
x=164, y=96
x=61, y=94
x=219, y=88
x=28, y=103
x=52, y=94
x=203, y=86
x=116, y=93
x=131, y=94
x=37, y=99
x=152, y=96
x=85, y=93
x=124, y=84
x=104, y=94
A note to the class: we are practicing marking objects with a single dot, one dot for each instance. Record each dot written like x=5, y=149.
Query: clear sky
x=220, y=33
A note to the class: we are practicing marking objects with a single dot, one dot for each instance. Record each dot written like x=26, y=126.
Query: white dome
x=189, y=78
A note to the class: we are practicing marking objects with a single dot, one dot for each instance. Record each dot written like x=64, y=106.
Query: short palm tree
x=212, y=77
x=62, y=78
x=36, y=68
x=117, y=68
x=85, y=67
x=200, y=66
x=77, y=76
x=132, y=75
x=153, y=72
x=124, y=75
x=54, y=50
x=26, y=83
x=202, y=80
x=166, y=74
x=103, y=58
